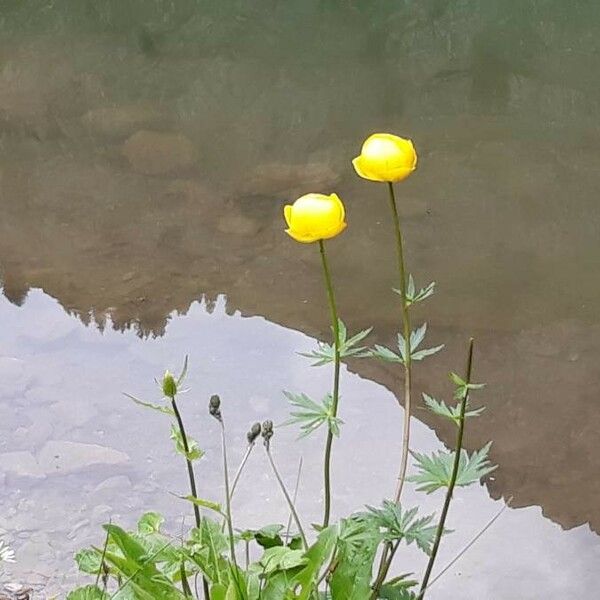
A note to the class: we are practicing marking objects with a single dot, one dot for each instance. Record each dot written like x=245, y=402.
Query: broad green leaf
x=193, y=452
x=316, y=558
x=356, y=549
x=150, y=522
x=89, y=592
x=436, y=469
x=281, y=558
x=311, y=415
x=89, y=561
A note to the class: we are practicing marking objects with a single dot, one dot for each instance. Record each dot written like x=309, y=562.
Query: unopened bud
x=267, y=432
x=214, y=407
x=253, y=433
x=169, y=385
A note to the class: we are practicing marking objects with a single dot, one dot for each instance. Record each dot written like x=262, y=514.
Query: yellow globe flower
x=386, y=157
x=315, y=217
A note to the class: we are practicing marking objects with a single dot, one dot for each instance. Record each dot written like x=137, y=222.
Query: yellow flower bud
x=386, y=157
x=315, y=217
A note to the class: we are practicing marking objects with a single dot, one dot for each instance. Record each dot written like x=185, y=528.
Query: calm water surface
x=146, y=150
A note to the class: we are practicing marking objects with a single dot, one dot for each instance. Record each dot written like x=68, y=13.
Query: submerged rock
x=67, y=457
x=121, y=121
x=156, y=153
x=273, y=178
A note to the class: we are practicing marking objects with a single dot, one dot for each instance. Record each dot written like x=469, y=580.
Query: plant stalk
x=227, y=494
x=386, y=557
x=407, y=349
x=455, y=466
x=336, y=381
x=287, y=497
x=192, y=478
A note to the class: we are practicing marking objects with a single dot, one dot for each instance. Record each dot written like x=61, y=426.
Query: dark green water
x=146, y=149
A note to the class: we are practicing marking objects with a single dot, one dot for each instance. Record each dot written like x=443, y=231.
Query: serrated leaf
x=398, y=524
x=421, y=354
x=452, y=413
x=385, y=354
x=436, y=469
x=163, y=409
x=416, y=338
x=349, y=348
x=412, y=296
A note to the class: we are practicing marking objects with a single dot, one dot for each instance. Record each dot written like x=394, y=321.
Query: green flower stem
x=227, y=494
x=388, y=552
x=407, y=349
x=190, y=467
x=192, y=479
x=240, y=469
x=287, y=496
x=455, y=466
x=336, y=381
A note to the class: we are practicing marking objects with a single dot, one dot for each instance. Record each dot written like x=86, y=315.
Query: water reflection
x=146, y=149
x=75, y=452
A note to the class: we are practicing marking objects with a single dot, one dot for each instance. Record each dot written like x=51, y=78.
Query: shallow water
x=57, y=495
x=146, y=150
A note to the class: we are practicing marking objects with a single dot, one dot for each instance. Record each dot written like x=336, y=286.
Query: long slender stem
x=227, y=494
x=336, y=381
x=192, y=478
x=470, y=544
x=386, y=557
x=296, y=488
x=407, y=349
x=238, y=473
x=287, y=497
x=455, y=466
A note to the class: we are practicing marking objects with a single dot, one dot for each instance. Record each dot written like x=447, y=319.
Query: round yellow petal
x=315, y=217
x=386, y=157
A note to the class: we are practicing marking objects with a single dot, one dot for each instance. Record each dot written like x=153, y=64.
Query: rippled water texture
x=146, y=149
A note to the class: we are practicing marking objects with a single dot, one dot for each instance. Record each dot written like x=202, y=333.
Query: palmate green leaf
x=398, y=524
x=415, y=340
x=436, y=469
x=440, y=408
x=412, y=295
x=349, y=347
x=311, y=415
x=193, y=453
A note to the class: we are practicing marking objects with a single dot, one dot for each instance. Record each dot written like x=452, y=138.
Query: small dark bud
x=214, y=407
x=253, y=433
x=169, y=385
x=267, y=432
